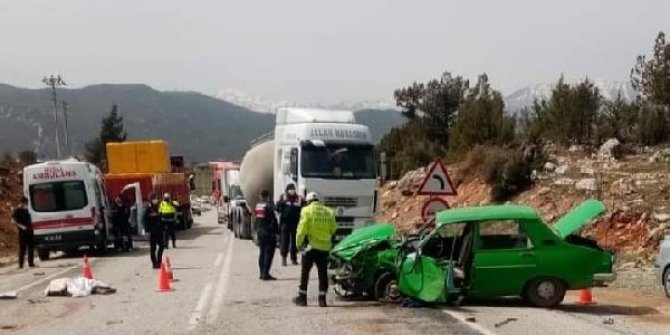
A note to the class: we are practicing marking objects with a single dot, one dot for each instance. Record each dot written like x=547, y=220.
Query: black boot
x=300, y=300
x=322, y=301
x=294, y=261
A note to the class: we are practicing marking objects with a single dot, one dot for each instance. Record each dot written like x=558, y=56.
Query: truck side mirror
x=294, y=163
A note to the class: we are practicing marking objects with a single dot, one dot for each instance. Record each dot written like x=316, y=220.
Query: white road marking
x=473, y=325
x=222, y=284
x=42, y=280
x=200, y=308
x=196, y=316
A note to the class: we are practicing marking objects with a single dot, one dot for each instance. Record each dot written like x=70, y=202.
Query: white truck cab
x=67, y=205
x=327, y=152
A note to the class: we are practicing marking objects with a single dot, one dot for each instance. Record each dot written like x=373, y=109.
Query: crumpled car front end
x=363, y=264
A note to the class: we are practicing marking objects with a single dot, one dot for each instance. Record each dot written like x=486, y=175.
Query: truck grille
x=335, y=202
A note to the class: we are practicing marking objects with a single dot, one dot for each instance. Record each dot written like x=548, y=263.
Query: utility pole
x=53, y=81
x=67, y=133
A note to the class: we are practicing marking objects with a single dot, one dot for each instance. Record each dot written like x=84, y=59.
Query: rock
x=544, y=191
x=575, y=148
x=394, y=215
x=588, y=184
x=549, y=166
x=9, y=295
x=661, y=217
x=587, y=171
x=611, y=149
x=563, y=169
x=564, y=181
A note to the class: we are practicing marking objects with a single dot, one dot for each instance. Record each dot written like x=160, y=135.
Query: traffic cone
x=585, y=297
x=168, y=267
x=86, y=271
x=163, y=280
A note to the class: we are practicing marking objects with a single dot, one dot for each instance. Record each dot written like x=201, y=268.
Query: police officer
x=317, y=227
x=289, y=206
x=168, y=213
x=267, y=229
x=152, y=222
x=23, y=221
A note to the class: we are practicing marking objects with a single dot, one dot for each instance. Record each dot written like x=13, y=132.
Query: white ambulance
x=68, y=206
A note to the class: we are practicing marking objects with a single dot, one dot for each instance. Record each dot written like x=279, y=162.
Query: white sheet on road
x=77, y=287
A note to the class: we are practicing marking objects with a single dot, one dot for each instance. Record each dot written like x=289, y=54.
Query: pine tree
x=111, y=130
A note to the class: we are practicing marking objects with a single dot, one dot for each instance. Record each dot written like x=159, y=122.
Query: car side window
x=502, y=235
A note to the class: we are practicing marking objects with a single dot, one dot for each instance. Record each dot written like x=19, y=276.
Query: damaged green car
x=476, y=252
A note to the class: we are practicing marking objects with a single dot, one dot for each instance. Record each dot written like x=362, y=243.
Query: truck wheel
x=43, y=254
x=545, y=292
x=386, y=288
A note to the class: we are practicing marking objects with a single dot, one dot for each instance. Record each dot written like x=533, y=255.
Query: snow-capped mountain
x=262, y=105
x=524, y=97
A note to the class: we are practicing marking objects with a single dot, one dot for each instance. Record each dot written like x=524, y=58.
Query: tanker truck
x=322, y=151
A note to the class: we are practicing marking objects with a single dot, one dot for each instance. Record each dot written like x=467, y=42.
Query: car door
x=422, y=277
x=505, y=259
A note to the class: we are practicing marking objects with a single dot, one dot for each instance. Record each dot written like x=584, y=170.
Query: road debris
x=608, y=321
x=471, y=319
x=508, y=320
x=41, y=273
x=114, y=322
x=9, y=295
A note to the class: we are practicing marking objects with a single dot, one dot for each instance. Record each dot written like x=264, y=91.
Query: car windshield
x=58, y=196
x=338, y=162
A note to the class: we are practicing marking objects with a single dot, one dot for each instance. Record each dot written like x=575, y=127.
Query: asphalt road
x=217, y=291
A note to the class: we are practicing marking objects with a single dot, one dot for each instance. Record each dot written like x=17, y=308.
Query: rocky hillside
x=10, y=192
x=634, y=187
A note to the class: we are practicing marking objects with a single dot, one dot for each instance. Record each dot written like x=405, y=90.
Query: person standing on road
x=267, y=229
x=289, y=206
x=152, y=222
x=168, y=213
x=121, y=221
x=316, y=229
x=23, y=221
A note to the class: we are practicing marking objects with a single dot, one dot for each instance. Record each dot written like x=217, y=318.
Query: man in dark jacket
x=289, y=206
x=153, y=224
x=267, y=230
x=120, y=219
x=22, y=219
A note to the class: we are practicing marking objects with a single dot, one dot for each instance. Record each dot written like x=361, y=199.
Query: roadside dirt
x=10, y=193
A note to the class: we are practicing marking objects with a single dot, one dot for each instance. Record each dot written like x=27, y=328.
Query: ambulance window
x=58, y=196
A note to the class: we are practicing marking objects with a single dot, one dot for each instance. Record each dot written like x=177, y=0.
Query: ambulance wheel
x=43, y=254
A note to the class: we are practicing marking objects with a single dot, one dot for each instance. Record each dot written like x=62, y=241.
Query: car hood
x=362, y=239
x=578, y=217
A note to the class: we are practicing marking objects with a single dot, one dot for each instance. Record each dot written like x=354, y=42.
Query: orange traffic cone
x=163, y=280
x=87, y=272
x=168, y=267
x=585, y=297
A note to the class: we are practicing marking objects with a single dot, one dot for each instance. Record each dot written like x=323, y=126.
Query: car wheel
x=386, y=288
x=666, y=281
x=43, y=254
x=545, y=292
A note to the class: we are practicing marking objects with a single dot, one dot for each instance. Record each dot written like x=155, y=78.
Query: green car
x=481, y=252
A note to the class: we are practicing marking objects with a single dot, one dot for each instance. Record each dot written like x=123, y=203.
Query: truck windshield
x=338, y=162
x=58, y=196
x=235, y=192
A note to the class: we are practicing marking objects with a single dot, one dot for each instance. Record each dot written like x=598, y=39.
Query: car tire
x=43, y=254
x=386, y=288
x=666, y=281
x=545, y=292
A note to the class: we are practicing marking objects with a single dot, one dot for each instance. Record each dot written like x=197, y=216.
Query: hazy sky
x=318, y=50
